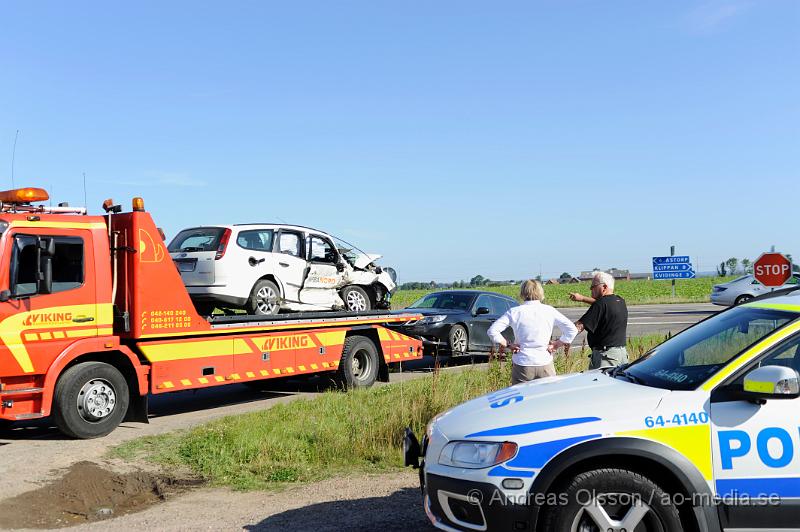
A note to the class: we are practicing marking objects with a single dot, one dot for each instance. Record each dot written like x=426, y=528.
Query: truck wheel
x=356, y=299
x=91, y=399
x=359, y=365
x=265, y=298
x=613, y=499
x=458, y=340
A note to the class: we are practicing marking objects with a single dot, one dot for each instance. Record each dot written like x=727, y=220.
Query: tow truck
x=94, y=318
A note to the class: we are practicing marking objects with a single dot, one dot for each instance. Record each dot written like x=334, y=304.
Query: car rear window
x=196, y=239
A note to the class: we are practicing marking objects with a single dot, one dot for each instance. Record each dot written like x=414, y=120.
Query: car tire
x=595, y=499
x=265, y=299
x=458, y=340
x=744, y=298
x=90, y=400
x=359, y=365
x=356, y=299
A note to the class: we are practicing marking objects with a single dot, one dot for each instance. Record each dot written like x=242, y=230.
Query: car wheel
x=356, y=299
x=458, y=340
x=359, y=365
x=613, y=499
x=91, y=399
x=265, y=299
x=743, y=299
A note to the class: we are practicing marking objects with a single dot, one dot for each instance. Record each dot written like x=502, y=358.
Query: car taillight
x=223, y=244
x=720, y=288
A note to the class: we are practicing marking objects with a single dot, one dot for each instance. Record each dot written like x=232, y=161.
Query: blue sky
x=456, y=138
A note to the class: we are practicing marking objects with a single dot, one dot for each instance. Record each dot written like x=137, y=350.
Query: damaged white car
x=266, y=268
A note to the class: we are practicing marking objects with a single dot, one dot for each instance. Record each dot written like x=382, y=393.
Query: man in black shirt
x=606, y=323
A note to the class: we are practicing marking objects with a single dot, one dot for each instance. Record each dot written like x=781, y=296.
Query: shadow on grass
x=402, y=510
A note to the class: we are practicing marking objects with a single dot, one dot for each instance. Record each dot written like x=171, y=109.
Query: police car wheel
x=359, y=365
x=613, y=500
x=90, y=400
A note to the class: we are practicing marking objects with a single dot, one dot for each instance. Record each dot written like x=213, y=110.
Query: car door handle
x=82, y=319
x=284, y=264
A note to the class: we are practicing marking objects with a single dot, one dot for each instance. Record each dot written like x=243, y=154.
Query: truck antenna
x=85, y=204
x=13, y=156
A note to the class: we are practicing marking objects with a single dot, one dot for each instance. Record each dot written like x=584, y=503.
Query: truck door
x=323, y=276
x=36, y=326
x=756, y=450
x=290, y=268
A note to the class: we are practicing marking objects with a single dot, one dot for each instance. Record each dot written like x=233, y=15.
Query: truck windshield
x=688, y=359
x=196, y=239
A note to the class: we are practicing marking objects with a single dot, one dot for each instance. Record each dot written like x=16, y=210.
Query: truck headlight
x=476, y=454
x=428, y=320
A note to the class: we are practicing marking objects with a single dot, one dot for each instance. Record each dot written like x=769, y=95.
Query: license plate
x=186, y=266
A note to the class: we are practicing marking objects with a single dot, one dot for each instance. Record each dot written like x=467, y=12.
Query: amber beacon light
x=24, y=195
x=138, y=204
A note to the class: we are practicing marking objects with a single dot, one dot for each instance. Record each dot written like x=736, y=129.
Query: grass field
x=636, y=292
x=333, y=434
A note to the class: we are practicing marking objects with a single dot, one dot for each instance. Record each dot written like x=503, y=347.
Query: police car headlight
x=476, y=454
x=428, y=320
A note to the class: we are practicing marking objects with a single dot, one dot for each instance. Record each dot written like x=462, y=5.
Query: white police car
x=702, y=433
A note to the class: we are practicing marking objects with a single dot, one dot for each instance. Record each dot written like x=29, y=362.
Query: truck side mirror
x=47, y=246
x=44, y=284
x=44, y=281
x=5, y=295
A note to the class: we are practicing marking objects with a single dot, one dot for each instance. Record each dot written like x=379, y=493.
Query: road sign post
x=772, y=269
x=673, y=267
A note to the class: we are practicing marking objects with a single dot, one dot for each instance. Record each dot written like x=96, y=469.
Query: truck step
x=20, y=391
x=35, y=415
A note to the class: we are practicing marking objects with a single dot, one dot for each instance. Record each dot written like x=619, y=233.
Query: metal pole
x=672, y=254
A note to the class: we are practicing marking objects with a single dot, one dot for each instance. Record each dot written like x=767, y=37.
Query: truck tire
x=265, y=298
x=90, y=400
x=458, y=339
x=359, y=365
x=356, y=299
x=596, y=499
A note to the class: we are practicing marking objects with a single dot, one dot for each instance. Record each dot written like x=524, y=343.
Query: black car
x=456, y=321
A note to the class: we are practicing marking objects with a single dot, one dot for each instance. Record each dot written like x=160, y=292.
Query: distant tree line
x=734, y=266
x=475, y=282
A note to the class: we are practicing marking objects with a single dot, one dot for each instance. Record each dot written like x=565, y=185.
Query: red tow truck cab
x=94, y=317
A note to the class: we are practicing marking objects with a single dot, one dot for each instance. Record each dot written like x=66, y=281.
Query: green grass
x=637, y=292
x=334, y=433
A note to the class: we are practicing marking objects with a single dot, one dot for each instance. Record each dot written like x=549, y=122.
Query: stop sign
x=772, y=269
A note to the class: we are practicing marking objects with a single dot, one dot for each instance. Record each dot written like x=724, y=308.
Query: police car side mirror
x=772, y=382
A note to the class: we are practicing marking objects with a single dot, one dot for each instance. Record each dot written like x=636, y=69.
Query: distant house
x=552, y=281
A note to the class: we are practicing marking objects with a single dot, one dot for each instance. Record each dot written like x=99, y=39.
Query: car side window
x=320, y=250
x=499, y=306
x=67, y=265
x=256, y=240
x=484, y=300
x=289, y=243
x=786, y=354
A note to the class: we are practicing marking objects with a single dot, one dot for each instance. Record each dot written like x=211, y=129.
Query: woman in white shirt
x=532, y=323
